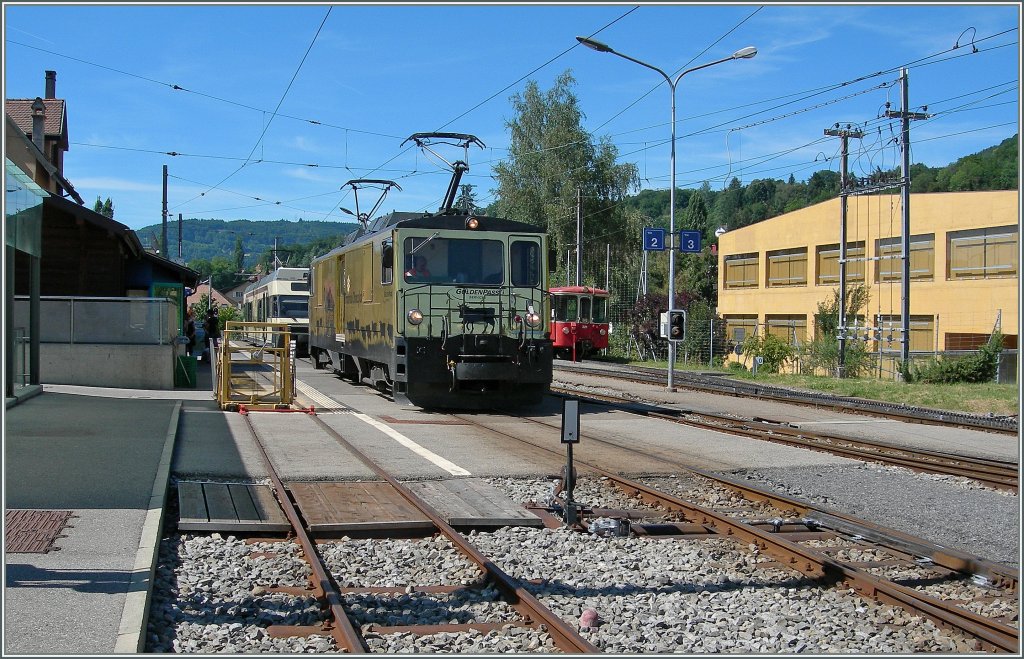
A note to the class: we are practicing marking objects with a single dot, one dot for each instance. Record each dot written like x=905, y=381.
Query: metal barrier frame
x=247, y=344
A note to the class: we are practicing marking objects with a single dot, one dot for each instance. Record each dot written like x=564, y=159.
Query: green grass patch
x=977, y=398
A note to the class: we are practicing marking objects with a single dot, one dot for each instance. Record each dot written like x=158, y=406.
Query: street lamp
x=742, y=53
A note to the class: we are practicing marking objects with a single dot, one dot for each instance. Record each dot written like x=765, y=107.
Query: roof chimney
x=38, y=123
x=51, y=84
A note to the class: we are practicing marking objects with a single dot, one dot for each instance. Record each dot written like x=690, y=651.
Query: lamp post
x=743, y=53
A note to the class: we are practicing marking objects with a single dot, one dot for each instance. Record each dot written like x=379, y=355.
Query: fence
x=101, y=320
x=104, y=342
x=708, y=344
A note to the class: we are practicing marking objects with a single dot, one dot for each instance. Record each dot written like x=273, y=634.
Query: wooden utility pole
x=579, y=236
x=163, y=237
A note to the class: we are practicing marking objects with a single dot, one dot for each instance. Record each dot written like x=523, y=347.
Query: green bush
x=736, y=366
x=979, y=367
x=774, y=351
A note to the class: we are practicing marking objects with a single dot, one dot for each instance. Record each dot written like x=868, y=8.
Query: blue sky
x=376, y=74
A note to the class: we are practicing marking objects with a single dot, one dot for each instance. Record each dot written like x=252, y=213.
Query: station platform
x=97, y=460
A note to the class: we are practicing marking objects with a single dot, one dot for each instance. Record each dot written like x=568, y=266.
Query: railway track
x=993, y=473
x=731, y=387
x=491, y=591
x=954, y=589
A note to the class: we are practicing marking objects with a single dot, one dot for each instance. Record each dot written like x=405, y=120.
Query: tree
x=466, y=200
x=552, y=159
x=239, y=255
x=104, y=208
x=697, y=216
x=822, y=352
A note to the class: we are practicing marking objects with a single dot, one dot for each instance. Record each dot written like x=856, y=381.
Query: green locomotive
x=444, y=310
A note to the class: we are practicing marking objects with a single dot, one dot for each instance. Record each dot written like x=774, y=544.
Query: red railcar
x=579, y=321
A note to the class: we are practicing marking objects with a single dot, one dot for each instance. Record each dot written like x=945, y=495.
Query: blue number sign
x=654, y=239
x=689, y=241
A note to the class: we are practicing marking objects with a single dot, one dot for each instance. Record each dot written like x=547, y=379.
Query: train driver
x=419, y=271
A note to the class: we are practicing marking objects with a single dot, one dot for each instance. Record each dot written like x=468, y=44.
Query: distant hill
x=994, y=168
x=205, y=239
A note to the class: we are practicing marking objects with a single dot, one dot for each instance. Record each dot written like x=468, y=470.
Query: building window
x=739, y=327
x=791, y=328
x=741, y=271
x=889, y=251
x=787, y=267
x=828, y=264
x=922, y=333
x=982, y=253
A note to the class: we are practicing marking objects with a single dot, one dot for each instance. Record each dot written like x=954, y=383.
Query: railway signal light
x=676, y=325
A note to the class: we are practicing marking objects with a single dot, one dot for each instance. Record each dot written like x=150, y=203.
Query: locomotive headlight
x=533, y=319
x=415, y=317
x=604, y=332
x=472, y=223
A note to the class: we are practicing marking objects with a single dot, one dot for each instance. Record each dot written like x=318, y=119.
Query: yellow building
x=964, y=259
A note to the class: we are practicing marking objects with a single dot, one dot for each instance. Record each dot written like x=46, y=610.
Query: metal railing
x=101, y=320
x=253, y=366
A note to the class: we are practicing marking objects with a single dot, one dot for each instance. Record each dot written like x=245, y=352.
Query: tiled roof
x=20, y=110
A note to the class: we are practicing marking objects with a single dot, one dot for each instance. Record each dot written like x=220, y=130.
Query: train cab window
x=292, y=306
x=585, y=309
x=566, y=308
x=600, y=310
x=524, y=257
x=387, y=263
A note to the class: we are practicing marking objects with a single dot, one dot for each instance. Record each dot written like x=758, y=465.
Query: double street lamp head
x=593, y=44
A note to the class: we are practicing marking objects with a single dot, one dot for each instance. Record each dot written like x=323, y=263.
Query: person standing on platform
x=190, y=332
x=212, y=327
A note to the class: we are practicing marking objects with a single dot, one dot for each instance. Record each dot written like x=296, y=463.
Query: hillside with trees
x=203, y=239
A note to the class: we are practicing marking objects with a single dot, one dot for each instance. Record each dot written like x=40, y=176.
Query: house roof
x=56, y=124
x=102, y=221
x=215, y=295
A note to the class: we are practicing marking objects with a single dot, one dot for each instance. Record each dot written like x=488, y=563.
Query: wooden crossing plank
x=233, y=507
x=355, y=506
x=244, y=508
x=473, y=502
x=191, y=504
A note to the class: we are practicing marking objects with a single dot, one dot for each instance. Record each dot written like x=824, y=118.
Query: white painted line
x=131, y=632
x=450, y=467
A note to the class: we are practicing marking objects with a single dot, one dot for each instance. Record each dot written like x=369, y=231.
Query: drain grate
x=33, y=531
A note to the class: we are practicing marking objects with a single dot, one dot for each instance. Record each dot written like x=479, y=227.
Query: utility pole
x=179, y=235
x=844, y=135
x=579, y=236
x=905, y=116
x=163, y=238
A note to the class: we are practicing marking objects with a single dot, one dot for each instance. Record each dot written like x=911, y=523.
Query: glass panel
x=600, y=310
x=454, y=261
x=526, y=266
x=293, y=306
x=585, y=309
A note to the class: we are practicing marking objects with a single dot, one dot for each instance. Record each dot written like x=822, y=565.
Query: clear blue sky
x=376, y=74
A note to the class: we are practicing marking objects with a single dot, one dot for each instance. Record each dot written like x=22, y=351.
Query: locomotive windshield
x=454, y=261
x=583, y=308
x=290, y=306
